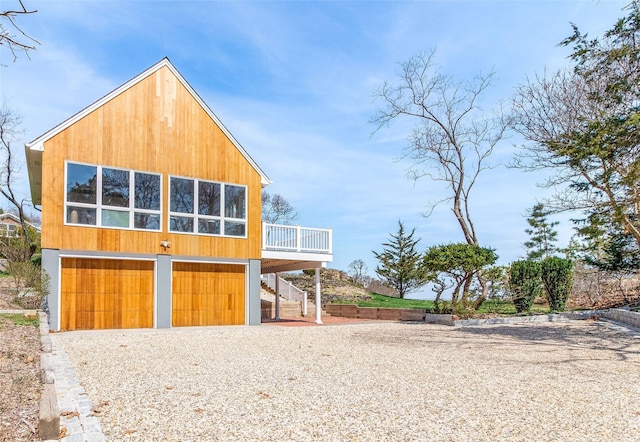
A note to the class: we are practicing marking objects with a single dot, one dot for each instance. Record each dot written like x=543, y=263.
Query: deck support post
x=318, y=298
x=277, y=296
x=304, y=304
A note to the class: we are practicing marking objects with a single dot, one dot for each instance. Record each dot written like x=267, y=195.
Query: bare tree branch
x=12, y=35
x=584, y=125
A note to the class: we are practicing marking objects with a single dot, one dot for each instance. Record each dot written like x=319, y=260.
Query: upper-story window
x=207, y=207
x=108, y=197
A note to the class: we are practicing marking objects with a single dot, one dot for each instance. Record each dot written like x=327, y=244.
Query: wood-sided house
x=151, y=213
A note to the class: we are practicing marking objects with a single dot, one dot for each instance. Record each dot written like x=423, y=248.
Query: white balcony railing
x=283, y=238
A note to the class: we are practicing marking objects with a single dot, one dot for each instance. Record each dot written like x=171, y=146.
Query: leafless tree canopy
x=10, y=167
x=565, y=128
x=358, y=270
x=583, y=125
x=276, y=209
x=452, y=138
x=12, y=35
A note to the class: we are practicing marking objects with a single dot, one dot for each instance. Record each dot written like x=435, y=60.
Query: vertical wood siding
x=208, y=294
x=154, y=126
x=105, y=294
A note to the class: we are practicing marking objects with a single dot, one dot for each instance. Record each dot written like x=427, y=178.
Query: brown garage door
x=106, y=293
x=207, y=294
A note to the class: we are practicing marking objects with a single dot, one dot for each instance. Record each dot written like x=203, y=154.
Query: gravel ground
x=577, y=381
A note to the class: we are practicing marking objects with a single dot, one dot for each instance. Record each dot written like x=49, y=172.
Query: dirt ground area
x=20, y=386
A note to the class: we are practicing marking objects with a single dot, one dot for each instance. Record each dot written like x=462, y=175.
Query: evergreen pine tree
x=400, y=264
x=542, y=234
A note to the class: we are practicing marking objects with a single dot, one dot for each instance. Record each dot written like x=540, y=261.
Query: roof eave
x=34, y=168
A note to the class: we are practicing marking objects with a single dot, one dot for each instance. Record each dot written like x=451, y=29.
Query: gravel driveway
x=576, y=381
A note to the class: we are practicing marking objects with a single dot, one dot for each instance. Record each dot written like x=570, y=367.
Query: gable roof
x=35, y=148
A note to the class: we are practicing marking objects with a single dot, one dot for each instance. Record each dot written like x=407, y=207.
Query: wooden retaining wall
x=388, y=314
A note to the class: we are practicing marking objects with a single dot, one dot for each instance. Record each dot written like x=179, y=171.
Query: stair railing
x=288, y=291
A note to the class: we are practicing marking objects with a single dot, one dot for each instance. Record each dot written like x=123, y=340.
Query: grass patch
x=488, y=307
x=507, y=308
x=391, y=302
x=20, y=319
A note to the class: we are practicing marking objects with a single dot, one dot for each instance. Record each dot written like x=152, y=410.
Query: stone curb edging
x=78, y=421
x=621, y=315
x=49, y=420
x=66, y=413
x=434, y=318
x=551, y=317
x=624, y=316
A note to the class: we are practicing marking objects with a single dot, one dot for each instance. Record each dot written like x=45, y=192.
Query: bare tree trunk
x=485, y=291
x=468, y=279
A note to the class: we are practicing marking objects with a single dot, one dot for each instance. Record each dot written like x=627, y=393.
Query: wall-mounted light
x=165, y=245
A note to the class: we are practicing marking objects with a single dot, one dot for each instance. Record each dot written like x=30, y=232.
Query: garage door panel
x=103, y=294
x=85, y=302
x=99, y=302
x=110, y=303
x=208, y=294
x=68, y=317
x=85, y=318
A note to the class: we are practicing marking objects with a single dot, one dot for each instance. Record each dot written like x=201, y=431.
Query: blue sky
x=294, y=82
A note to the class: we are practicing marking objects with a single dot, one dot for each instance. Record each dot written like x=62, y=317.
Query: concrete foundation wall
x=51, y=265
x=253, y=305
x=163, y=292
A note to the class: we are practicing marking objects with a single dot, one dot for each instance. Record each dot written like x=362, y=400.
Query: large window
x=109, y=197
x=206, y=207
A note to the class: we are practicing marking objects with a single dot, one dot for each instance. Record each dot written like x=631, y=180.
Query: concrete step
x=266, y=288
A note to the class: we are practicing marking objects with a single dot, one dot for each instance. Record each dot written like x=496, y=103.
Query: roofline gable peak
x=38, y=143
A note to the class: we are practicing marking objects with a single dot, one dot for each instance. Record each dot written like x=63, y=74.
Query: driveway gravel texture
x=572, y=381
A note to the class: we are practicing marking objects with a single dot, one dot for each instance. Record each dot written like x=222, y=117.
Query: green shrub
x=525, y=283
x=441, y=306
x=557, y=279
x=30, y=282
x=36, y=259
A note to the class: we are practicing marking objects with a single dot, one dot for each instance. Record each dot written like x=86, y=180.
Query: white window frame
x=196, y=217
x=99, y=206
x=9, y=230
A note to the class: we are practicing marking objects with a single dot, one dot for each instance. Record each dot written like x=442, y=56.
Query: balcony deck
x=289, y=248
